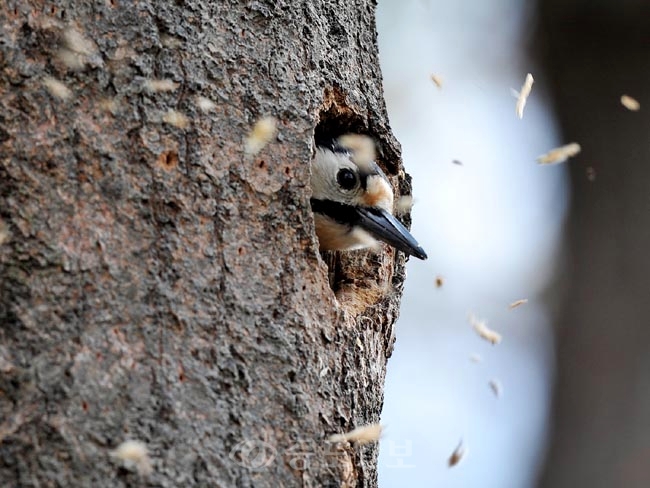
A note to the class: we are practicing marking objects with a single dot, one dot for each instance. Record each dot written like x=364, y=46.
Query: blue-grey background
x=493, y=228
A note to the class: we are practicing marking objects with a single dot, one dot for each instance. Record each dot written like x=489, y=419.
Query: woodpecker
x=353, y=203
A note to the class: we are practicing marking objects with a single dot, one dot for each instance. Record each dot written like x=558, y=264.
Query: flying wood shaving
x=155, y=86
x=134, y=454
x=75, y=41
x=360, y=435
x=71, y=59
x=518, y=303
x=630, y=103
x=170, y=42
x=437, y=80
x=361, y=147
x=440, y=280
x=403, y=205
x=457, y=162
x=457, y=456
x=205, y=104
x=523, y=95
x=57, y=88
x=495, y=386
x=260, y=135
x=481, y=328
x=559, y=154
x=177, y=119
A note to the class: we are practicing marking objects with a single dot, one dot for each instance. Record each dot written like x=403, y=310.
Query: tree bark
x=159, y=284
x=595, y=52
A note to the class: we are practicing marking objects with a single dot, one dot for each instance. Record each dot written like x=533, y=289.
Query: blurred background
x=564, y=399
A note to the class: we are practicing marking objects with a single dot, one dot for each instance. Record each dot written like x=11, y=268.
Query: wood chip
x=71, y=59
x=481, y=328
x=156, y=86
x=260, y=135
x=523, y=95
x=403, y=205
x=518, y=303
x=361, y=147
x=457, y=456
x=495, y=386
x=559, y=154
x=134, y=454
x=56, y=88
x=170, y=42
x=437, y=80
x=205, y=104
x=361, y=435
x=77, y=49
x=177, y=119
x=75, y=41
x=440, y=280
x=630, y=103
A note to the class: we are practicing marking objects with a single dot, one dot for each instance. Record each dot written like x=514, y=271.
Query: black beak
x=383, y=226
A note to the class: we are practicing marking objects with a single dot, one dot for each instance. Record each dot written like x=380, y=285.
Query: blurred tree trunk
x=596, y=52
x=158, y=284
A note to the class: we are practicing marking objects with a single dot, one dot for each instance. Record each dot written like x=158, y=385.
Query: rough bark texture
x=595, y=52
x=158, y=284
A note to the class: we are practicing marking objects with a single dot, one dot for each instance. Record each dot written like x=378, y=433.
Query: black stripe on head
x=333, y=145
x=339, y=212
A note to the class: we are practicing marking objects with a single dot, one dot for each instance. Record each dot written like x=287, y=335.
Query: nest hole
x=337, y=119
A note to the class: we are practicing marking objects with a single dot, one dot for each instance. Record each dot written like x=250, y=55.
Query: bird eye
x=346, y=179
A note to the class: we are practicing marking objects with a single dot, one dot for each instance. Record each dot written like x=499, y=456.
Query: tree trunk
x=158, y=283
x=596, y=52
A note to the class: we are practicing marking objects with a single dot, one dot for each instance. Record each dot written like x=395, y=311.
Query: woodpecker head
x=352, y=202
